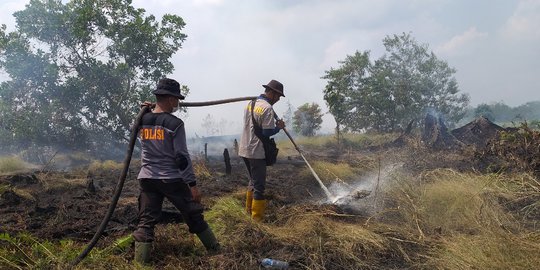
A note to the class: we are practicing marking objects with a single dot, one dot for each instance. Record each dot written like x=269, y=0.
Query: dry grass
x=349, y=142
x=489, y=250
x=200, y=169
x=12, y=164
x=445, y=201
x=363, y=140
x=107, y=166
x=322, y=242
x=435, y=219
x=330, y=172
x=462, y=214
x=306, y=238
x=59, y=181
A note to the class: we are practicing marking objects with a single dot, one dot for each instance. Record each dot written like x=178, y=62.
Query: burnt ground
x=57, y=204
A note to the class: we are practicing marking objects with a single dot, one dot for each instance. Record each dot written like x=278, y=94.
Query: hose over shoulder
x=215, y=102
x=118, y=188
x=127, y=160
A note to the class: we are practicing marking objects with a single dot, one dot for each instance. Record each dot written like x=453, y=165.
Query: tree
x=307, y=119
x=349, y=77
x=401, y=85
x=79, y=70
x=485, y=111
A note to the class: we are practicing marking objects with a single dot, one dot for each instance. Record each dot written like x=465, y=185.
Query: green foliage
x=502, y=113
x=25, y=251
x=342, y=82
x=120, y=245
x=307, y=119
x=485, y=111
x=401, y=85
x=79, y=70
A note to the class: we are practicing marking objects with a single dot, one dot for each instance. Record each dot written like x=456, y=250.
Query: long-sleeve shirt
x=164, y=152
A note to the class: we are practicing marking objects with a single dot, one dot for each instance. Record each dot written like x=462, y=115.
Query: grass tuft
x=201, y=170
x=467, y=216
x=330, y=172
x=12, y=164
x=107, y=165
x=490, y=250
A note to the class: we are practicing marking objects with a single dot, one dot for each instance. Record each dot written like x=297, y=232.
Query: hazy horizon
x=233, y=47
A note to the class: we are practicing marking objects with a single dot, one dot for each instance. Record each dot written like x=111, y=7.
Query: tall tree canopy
x=386, y=94
x=307, y=119
x=78, y=70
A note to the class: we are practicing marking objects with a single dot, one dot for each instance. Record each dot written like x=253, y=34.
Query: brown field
x=406, y=207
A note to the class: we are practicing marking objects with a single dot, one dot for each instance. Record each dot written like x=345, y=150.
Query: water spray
x=326, y=191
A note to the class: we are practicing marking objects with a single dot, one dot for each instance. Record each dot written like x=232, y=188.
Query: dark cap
x=276, y=86
x=169, y=87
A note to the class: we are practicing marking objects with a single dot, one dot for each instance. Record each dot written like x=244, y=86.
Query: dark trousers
x=152, y=192
x=257, y=176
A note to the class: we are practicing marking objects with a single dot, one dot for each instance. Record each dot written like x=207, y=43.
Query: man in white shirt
x=251, y=147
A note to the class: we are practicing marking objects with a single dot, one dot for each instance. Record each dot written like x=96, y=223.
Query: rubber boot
x=209, y=241
x=142, y=252
x=257, y=210
x=249, y=199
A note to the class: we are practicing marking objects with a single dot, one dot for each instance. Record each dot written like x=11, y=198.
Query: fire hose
x=127, y=160
x=326, y=191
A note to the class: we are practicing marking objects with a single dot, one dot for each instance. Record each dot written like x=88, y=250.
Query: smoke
x=434, y=112
x=363, y=195
x=213, y=146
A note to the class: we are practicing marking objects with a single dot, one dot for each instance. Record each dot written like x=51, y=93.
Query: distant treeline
x=502, y=113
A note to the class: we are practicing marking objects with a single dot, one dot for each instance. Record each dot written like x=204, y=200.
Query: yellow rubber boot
x=257, y=210
x=249, y=199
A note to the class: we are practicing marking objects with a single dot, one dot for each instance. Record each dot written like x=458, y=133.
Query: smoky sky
x=233, y=47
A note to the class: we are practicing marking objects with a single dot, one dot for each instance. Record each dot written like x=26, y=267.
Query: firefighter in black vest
x=167, y=172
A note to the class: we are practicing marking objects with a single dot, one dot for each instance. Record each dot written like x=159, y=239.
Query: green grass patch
x=227, y=217
x=25, y=251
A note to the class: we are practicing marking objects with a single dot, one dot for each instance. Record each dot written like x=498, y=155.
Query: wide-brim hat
x=275, y=86
x=169, y=87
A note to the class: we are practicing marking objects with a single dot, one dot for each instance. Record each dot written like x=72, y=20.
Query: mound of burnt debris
x=436, y=135
x=479, y=145
x=478, y=132
x=516, y=149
